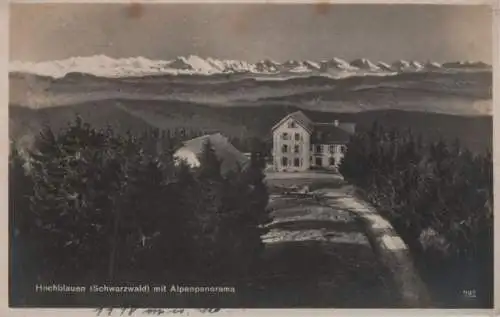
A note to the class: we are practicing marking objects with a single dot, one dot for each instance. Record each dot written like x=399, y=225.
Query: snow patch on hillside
x=280, y=236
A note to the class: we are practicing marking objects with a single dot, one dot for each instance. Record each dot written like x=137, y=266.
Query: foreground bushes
x=92, y=205
x=439, y=197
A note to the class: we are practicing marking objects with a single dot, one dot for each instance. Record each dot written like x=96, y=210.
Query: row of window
x=319, y=161
x=284, y=148
x=331, y=148
x=315, y=148
x=285, y=136
x=297, y=162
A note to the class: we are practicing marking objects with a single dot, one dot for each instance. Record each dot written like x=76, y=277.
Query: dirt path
x=320, y=256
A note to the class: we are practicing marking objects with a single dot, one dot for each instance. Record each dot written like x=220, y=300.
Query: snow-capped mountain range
x=104, y=66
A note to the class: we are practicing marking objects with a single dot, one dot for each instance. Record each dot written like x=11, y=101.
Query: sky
x=252, y=32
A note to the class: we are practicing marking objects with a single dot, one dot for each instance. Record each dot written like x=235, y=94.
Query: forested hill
x=475, y=132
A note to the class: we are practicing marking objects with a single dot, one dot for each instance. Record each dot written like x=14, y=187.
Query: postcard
x=225, y=156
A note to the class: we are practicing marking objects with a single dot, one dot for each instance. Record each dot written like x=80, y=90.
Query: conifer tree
x=22, y=269
x=210, y=164
x=65, y=203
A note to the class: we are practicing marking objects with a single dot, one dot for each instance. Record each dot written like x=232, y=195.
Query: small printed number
x=470, y=293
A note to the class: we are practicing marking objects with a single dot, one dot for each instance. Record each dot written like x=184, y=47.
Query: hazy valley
x=452, y=100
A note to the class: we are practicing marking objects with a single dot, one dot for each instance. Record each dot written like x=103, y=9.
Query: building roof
x=328, y=133
x=349, y=127
x=322, y=133
x=300, y=118
x=230, y=156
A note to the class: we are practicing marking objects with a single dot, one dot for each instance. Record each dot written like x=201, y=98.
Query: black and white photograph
x=250, y=155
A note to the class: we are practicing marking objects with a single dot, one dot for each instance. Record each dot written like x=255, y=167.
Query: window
x=343, y=148
x=318, y=161
x=332, y=161
x=284, y=162
x=296, y=149
x=331, y=148
x=319, y=149
x=284, y=148
x=284, y=136
x=292, y=125
x=296, y=162
x=297, y=137
x=311, y=160
x=312, y=149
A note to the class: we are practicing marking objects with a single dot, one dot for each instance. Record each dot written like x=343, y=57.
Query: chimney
x=336, y=123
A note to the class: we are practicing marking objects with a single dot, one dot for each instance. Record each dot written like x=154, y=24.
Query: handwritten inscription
x=149, y=311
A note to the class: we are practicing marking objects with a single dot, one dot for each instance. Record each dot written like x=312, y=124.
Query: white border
x=321, y=2
x=496, y=149
x=4, y=144
x=264, y=312
x=4, y=54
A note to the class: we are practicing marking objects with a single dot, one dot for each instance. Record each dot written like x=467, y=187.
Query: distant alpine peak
x=292, y=63
x=196, y=64
x=384, y=66
x=105, y=66
x=269, y=62
x=335, y=63
x=466, y=64
x=416, y=64
x=401, y=63
x=312, y=65
x=363, y=63
x=430, y=64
